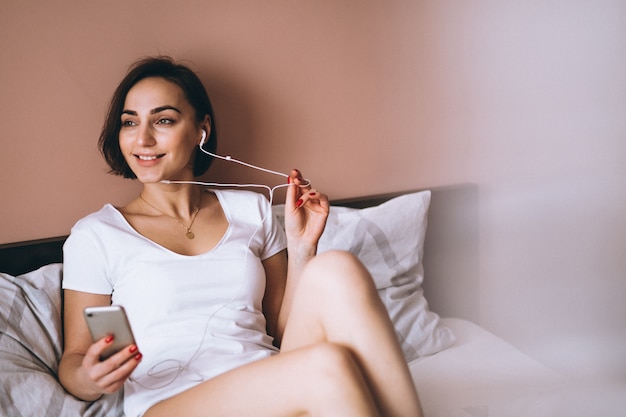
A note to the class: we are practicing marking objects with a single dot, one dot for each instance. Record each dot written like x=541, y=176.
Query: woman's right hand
x=81, y=372
x=108, y=376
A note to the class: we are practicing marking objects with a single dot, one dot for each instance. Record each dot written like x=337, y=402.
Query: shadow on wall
x=451, y=262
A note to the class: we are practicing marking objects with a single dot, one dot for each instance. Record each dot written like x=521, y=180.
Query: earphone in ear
x=231, y=159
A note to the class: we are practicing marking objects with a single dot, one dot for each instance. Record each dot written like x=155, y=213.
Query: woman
x=208, y=287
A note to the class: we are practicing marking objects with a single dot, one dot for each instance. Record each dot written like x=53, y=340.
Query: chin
x=149, y=180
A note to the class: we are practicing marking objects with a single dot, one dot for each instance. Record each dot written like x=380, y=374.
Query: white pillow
x=389, y=240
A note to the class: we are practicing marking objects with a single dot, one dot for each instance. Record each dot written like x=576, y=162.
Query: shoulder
x=244, y=205
x=105, y=216
x=241, y=197
x=98, y=227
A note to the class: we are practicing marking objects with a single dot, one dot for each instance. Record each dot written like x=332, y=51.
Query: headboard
x=450, y=255
x=20, y=257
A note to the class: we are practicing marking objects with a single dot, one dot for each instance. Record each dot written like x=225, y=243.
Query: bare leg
x=339, y=357
x=320, y=380
x=337, y=302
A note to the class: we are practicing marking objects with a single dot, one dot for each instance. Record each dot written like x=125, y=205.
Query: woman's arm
x=306, y=211
x=81, y=372
x=275, y=287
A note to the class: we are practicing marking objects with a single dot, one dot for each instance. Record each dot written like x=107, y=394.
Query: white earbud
x=231, y=159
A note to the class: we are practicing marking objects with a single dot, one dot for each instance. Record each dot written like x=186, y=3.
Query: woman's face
x=159, y=131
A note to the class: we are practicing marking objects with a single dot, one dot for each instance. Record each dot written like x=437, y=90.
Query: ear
x=206, y=129
x=206, y=125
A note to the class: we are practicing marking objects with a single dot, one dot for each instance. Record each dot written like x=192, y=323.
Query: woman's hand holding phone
x=113, y=356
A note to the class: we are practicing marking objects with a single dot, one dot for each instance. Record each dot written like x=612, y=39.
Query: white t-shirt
x=193, y=317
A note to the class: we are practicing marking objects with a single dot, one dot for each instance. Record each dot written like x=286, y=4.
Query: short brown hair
x=194, y=91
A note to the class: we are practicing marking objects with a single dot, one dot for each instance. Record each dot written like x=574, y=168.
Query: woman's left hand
x=306, y=211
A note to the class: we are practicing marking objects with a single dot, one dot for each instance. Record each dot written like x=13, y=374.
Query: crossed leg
x=339, y=357
x=337, y=302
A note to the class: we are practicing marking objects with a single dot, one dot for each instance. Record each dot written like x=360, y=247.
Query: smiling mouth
x=148, y=157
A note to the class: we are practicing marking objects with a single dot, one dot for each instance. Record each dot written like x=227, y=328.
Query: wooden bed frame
x=450, y=254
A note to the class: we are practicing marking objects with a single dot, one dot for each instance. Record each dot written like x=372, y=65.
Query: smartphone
x=109, y=320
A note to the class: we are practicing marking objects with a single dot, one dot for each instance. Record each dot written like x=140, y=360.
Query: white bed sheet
x=482, y=375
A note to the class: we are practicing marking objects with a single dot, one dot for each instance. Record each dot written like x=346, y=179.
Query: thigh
x=306, y=381
x=335, y=301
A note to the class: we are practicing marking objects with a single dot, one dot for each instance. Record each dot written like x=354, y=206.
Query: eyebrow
x=153, y=111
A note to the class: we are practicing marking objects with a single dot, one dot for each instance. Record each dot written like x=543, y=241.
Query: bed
x=404, y=238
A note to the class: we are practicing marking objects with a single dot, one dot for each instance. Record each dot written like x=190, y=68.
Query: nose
x=145, y=135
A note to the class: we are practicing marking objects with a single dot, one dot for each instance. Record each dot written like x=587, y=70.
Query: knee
x=337, y=258
x=338, y=384
x=339, y=272
x=333, y=366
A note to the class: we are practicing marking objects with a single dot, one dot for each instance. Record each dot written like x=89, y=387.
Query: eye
x=128, y=123
x=165, y=121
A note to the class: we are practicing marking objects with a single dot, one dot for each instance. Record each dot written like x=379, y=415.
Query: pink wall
x=286, y=81
x=524, y=100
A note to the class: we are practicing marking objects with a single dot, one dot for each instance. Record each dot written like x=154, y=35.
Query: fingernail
x=288, y=180
x=109, y=339
x=138, y=357
x=133, y=349
x=312, y=194
x=299, y=203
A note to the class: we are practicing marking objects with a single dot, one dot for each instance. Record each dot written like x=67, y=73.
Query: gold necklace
x=189, y=234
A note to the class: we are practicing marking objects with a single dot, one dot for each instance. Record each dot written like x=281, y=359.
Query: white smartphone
x=109, y=320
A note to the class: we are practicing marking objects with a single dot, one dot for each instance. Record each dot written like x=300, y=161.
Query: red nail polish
x=288, y=180
x=138, y=357
x=312, y=194
x=133, y=349
x=109, y=339
x=299, y=203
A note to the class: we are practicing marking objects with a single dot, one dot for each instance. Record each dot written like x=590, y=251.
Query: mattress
x=482, y=375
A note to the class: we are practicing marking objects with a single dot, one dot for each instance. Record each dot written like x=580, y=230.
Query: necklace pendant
x=189, y=234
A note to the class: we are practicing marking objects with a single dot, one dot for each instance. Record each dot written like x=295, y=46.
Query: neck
x=180, y=201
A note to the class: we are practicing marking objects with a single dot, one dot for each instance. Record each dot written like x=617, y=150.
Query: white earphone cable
x=179, y=366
